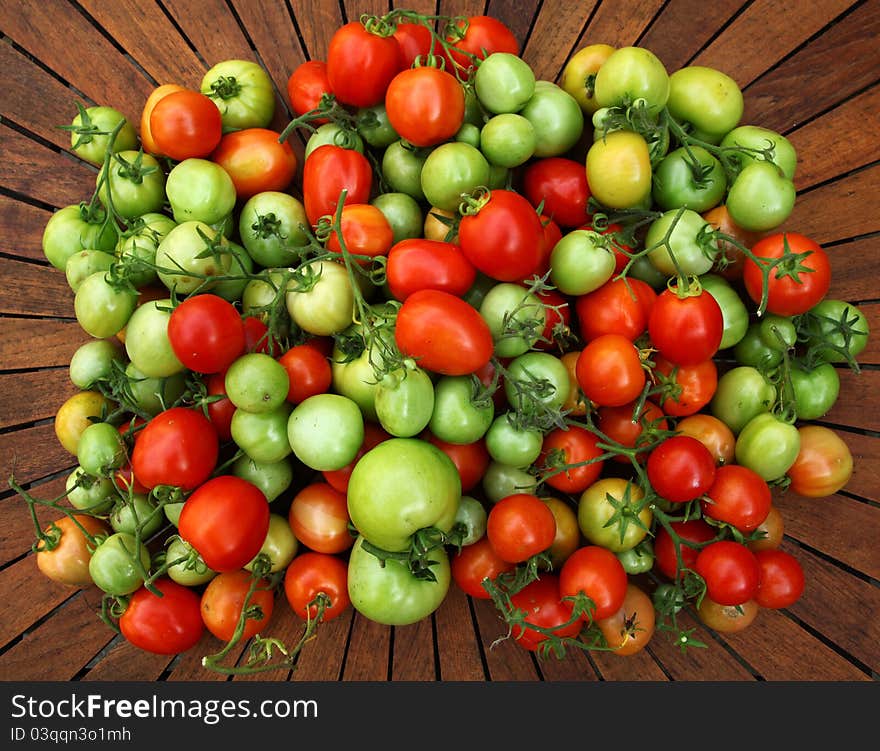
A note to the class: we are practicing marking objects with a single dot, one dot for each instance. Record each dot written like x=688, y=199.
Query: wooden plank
x=505, y=659
x=574, y=665
x=516, y=15
x=39, y=343
x=871, y=353
x=860, y=406
x=125, y=662
x=413, y=652
x=31, y=396
x=369, y=651
x=642, y=666
x=21, y=229
x=40, y=290
x=621, y=23
x=188, y=666
x=457, y=643
x=865, y=481
x=852, y=264
x=33, y=453
x=564, y=23
x=315, y=22
x=769, y=29
x=285, y=627
x=18, y=534
x=322, y=659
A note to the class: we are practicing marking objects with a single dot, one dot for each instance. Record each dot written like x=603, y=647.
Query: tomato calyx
x=423, y=542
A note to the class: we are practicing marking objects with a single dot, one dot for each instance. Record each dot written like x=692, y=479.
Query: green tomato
x=638, y=559
x=399, y=487
x=451, y=170
x=508, y=140
x=326, y=306
x=835, y=330
x=262, y=435
x=404, y=401
x=468, y=133
x=101, y=449
x=146, y=340
x=153, y=395
x=706, y=99
x=537, y=381
x=458, y=415
x=516, y=318
x=777, y=332
x=74, y=228
x=388, y=593
x=241, y=268
x=599, y=516
x=91, y=131
x=137, y=511
x=280, y=544
x=690, y=177
x=556, y=117
x=501, y=480
x=103, y=308
x=504, y=82
x=761, y=197
x=619, y=170
x=256, y=382
x=679, y=240
x=190, y=255
x=326, y=431
x=137, y=247
x=200, y=190
x=374, y=126
x=734, y=312
x=242, y=91
x=767, y=445
x=742, y=393
x=118, y=563
x=511, y=444
x=403, y=214
x=472, y=515
x=815, y=390
x=335, y=134
x=271, y=226
x=743, y=143
x=581, y=262
x=133, y=183
x=752, y=351
x=632, y=73
x=402, y=166
x=186, y=567
x=85, y=263
x=273, y=478
x=90, y=493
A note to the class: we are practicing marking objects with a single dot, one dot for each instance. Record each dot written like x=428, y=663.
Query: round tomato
x=314, y=573
x=256, y=161
x=761, y=197
x=425, y=105
x=681, y=469
x=609, y=370
x=542, y=603
x=165, y=624
x=224, y=599
x=824, y=463
x=596, y=572
x=361, y=63
x=738, y=496
x=579, y=74
x=475, y=563
x=559, y=185
x=185, y=124
x=781, y=579
x=619, y=170
x=243, y=92
x=611, y=513
x=308, y=372
x=147, y=140
x=730, y=570
x=520, y=526
x=707, y=100
x=727, y=619
x=305, y=87
x=570, y=459
x=365, y=232
x=677, y=550
x=768, y=445
x=712, y=433
x=477, y=37
x=630, y=629
x=620, y=306
x=68, y=561
x=206, y=333
x=630, y=428
x=686, y=330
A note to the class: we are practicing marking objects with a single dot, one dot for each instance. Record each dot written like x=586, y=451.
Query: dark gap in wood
x=42, y=141
x=531, y=28
x=480, y=647
x=16, y=559
x=854, y=572
x=719, y=31
x=182, y=33
x=854, y=661
x=537, y=663
x=169, y=668
x=746, y=665
x=660, y=11
x=438, y=671
x=578, y=43
x=594, y=666
x=830, y=108
x=97, y=657
x=30, y=201
x=41, y=620
x=346, y=647
x=302, y=42
x=389, y=672
x=838, y=178
x=43, y=67
x=650, y=652
x=343, y=12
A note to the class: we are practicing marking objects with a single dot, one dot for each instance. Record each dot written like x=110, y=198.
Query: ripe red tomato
x=256, y=161
x=572, y=445
x=739, y=496
x=221, y=409
x=308, y=371
x=681, y=469
x=149, y=145
x=798, y=282
x=415, y=41
x=361, y=64
x=365, y=232
x=443, y=333
x=477, y=37
x=310, y=574
x=327, y=171
x=609, y=371
x=177, y=447
x=425, y=105
x=226, y=520
x=474, y=563
x=470, y=459
x=542, y=603
x=622, y=425
x=781, y=581
x=694, y=531
x=374, y=434
x=206, y=333
x=730, y=570
x=166, y=625
x=318, y=517
x=520, y=526
x=185, y=124
x=693, y=386
x=560, y=184
x=620, y=306
x=598, y=573
x=224, y=599
x=419, y=263
x=305, y=87
x=503, y=238
x=685, y=330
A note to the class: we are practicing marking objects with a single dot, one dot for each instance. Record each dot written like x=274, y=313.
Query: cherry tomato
x=319, y=518
x=165, y=624
x=305, y=87
x=685, y=330
x=730, y=570
x=308, y=372
x=311, y=574
x=781, y=582
x=622, y=424
x=185, y=124
x=620, y=306
x=738, y=496
x=681, y=469
x=824, y=463
x=420, y=263
x=559, y=186
x=223, y=601
x=575, y=449
x=597, y=573
x=691, y=536
x=691, y=386
x=329, y=170
x=630, y=629
x=520, y=526
x=206, y=333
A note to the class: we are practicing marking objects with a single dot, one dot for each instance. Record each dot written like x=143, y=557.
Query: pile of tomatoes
x=542, y=342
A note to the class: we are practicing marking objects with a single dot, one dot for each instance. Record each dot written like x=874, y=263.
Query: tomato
x=314, y=573
x=824, y=463
x=404, y=401
x=520, y=526
x=415, y=41
x=611, y=514
x=328, y=171
x=835, y=330
x=402, y=166
x=102, y=308
x=361, y=64
x=269, y=228
x=91, y=129
x=226, y=520
x=556, y=118
x=705, y=99
x=761, y=197
x=243, y=92
x=68, y=562
x=742, y=393
x=74, y=228
x=323, y=304
x=738, y=496
x=632, y=73
x=691, y=387
x=388, y=593
x=403, y=213
x=620, y=306
x=686, y=330
x=609, y=371
x=308, y=372
x=744, y=141
x=473, y=564
x=575, y=449
x=727, y=619
x=542, y=604
x=75, y=414
x=712, y=433
x=581, y=262
x=504, y=83
x=160, y=92
x=339, y=478
x=470, y=459
x=199, y=190
x=537, y=382
x=132, y=183
x=729, y=258
x=365, y=232
x=448, y=171
x=734, y=314
x=622, y=425
x=730, y=570
x=477, y=37
x=597, y=573
x=165, y=624
x=119, y=564
x=510, y=443
x=185, y=124
x=305, y=87
x=325, y=431
x=262, y=435
x=767, y=444
x=223, y=601
x=425, y=105
x=500, y=480
x=678, y=243
x=578, y=76
x=507, y=140
x=419, y=263
x=206, y=333
x=769, y=533
x=137, y=512
x=689, y=177
x=692, y=535
x=797, y=282
x=177, y=447
x=186, y=566
x=629, y=630
x=89, y=493
x=443, y=333
x=781, y=579
x=256, y=161
x=619, y=170
x=681, y=469
x=516, y=318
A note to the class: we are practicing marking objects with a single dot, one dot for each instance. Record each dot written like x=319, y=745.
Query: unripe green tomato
x=761, y=197
x=767, y=445
x=707, y=99
x=186, y=567
x=504, y=82
x=138, y=510
x=280, y=544
x=751, y=137
x=95, y=361
x=89, y=493
x=96, y=125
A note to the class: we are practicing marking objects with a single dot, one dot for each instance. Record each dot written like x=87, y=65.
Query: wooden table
x=807, y=70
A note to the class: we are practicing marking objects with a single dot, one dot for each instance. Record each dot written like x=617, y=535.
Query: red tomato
x=622, y=252
x=224, y=600
x=256, y=336
x=256, y=161
x=443, y=333
x=178, y=447
x=597, y=573
x=185, y=124
x=692, y=386
x=147, y=141
x=361, y=64
x=739, y=496
x=557, y=319
x=415, y=41
x=477, y=37
x=620, y=306
x=374, y=434
x=685, y=330
x=475, y=563
x=206, y=333
x=619, y=425
x=220, y=409
x=559, y=185
x=504, y=237
x=310, y=574
x=419, y=263
x=305, y=87
x=226, y=520
x=470, y=459
x=308, y=371
x=730, y=570
x=520, y=526
x=681, y=469
x=165, y=624
x=781, y=582
x=694, y=531
x=327, y=171
x=609, y=371
x=365, y=232
x=552, y=235
x=318, y=517
x=575, y=446
x=425, y=105
x=798, y=282
x=542, y=603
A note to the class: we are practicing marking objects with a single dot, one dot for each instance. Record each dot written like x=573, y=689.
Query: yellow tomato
x=579, y=74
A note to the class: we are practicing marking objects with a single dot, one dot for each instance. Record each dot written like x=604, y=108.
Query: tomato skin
x=443, y=333
x=166, y=625
x=147, y=140
x=561, y=184
x=470, y=459
x=178, y=447
x=694, y=531
x=572, y=445
x=727, y=619
x=474, y=563
x=630, y=629
x=225, y=520
x=318, y=516
x=712, y=433
x=186, y=124
x=374, y=434
x=681, y=469
x=206, y=333
x=308, y=371
x=425, y=105
x=519, y=526
x=256, y=161
x=415, y=41
x=730, y=570
x=781, y=581
x=686, y=330
x=311, y=573
x=68, y=562
x=609, y=371
x=622, y=425
x=739, y=496
x=480, y=36
x=824, y=464
x=306, y=85
x=695, y=386
x=542, y=603
x=361, y=64
x=420, y=263
x=365, y=232
x=598, y=573
x=223, y=601
x=619, y=170
x=327, y=171
x=620, y=306
x=787, y=296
